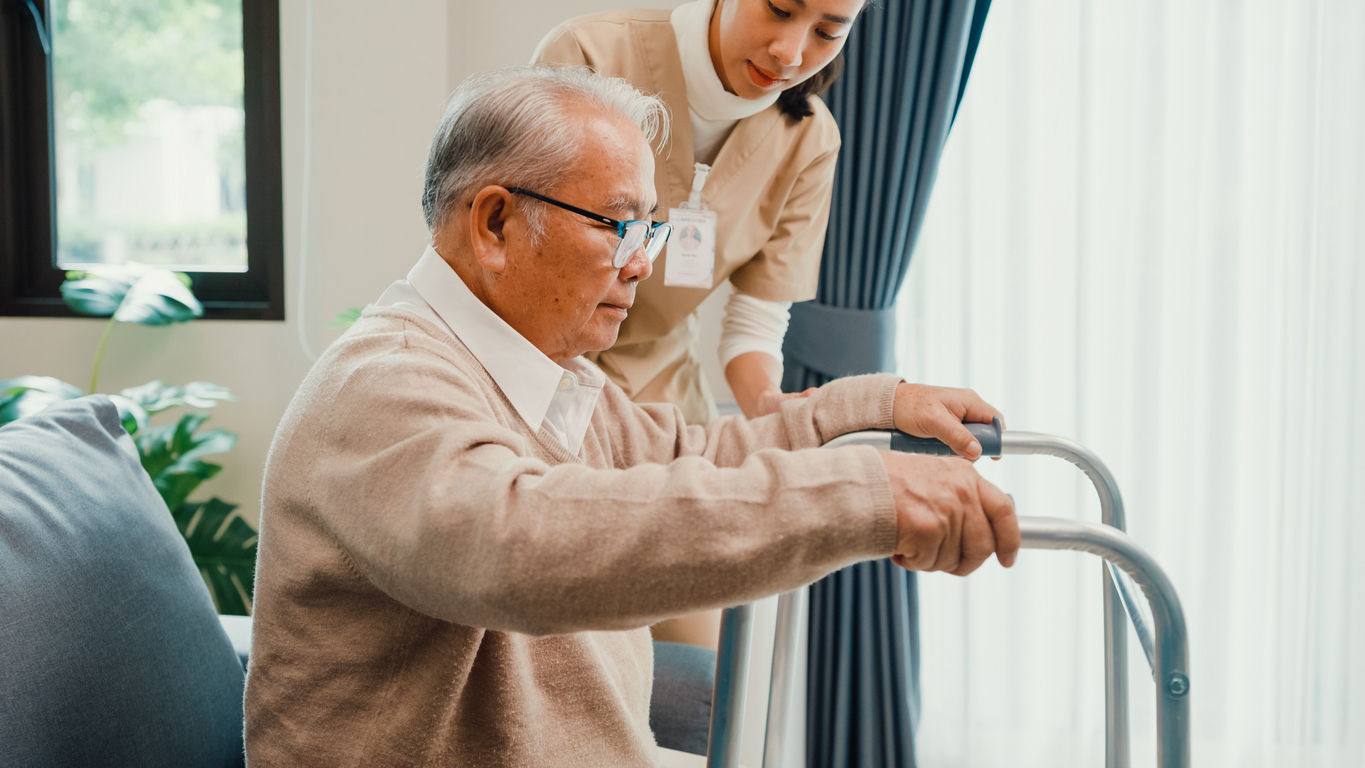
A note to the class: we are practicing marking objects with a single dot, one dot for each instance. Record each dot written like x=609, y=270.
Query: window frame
x=29, y=281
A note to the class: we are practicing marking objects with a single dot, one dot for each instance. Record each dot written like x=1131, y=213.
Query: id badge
x=691, y=257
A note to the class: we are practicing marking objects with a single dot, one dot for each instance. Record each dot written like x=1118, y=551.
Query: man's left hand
x=938, y=412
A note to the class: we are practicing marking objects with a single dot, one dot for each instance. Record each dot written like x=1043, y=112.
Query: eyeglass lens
x=637, y=232
x=630, y=243
x=656, y=243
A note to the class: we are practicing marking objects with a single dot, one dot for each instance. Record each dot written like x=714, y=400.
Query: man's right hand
x=949, y=518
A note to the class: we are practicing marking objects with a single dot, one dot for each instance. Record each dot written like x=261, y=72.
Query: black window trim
x=28, y=281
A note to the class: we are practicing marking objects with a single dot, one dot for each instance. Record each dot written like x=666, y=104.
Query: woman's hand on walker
x=938, y=412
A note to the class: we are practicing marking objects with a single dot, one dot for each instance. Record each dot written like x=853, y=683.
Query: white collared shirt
x=556, y=396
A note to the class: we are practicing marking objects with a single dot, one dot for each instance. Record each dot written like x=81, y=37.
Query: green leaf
x=157, y=396
x=96, y=295
x=176, y=486
x=133, y=416
x=346, y=317
x=223, y=546
x=173, y=455
x=26, y=395
x=131, y=293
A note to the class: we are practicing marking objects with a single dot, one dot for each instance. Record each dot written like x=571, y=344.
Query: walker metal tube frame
x=1171, y=668
x=1115, y=589
x=737, y=623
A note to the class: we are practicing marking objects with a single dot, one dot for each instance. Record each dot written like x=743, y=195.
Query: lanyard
x=700, y=172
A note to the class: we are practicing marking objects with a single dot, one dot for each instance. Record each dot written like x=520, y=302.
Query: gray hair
x=513, y=127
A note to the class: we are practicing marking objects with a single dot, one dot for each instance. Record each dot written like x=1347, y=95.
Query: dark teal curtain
x=908, y=62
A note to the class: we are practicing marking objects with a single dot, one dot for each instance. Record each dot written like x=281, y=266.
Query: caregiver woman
x=762, y=150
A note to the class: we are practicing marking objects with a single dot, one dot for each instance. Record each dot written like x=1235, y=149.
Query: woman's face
x=762, y=46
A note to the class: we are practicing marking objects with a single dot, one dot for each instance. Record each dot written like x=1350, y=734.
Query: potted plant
x=221, y=542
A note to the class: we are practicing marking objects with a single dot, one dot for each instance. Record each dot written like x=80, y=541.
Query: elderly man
x=466, y=528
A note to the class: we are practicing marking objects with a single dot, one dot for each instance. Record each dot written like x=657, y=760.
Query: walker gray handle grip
x=989, y=435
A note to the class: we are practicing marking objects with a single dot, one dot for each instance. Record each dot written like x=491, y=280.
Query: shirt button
x=565, y=383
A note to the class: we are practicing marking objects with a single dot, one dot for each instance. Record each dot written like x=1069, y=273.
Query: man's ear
x=489, y=213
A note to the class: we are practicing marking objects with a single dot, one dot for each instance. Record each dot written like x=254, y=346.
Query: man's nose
x=637, y=266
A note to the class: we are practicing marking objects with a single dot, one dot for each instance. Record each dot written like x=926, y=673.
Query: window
x=145, y=132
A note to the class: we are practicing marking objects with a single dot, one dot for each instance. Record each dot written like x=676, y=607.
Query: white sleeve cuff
x=752, y=325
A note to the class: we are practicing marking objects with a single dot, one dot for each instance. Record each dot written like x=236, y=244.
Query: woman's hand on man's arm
x=755, y=380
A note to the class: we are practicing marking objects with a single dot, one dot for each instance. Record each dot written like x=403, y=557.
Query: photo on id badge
x=690, y=259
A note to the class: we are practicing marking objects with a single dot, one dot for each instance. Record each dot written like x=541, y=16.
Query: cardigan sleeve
x=439, y=502
x=655, y=432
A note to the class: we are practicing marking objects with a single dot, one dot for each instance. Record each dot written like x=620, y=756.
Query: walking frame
x=1163, y=637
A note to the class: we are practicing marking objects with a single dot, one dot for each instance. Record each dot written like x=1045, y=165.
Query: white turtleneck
x=749, y=324
x=712, y=109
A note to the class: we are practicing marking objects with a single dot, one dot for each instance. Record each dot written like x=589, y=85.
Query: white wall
x=378, y=83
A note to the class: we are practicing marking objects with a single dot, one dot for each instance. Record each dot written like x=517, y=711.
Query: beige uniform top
x=770, y=186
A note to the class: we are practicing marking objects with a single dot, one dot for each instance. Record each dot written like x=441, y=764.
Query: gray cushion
x=680, y=707
x=110, y=649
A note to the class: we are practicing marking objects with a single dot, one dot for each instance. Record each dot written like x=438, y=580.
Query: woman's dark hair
x=795, y=101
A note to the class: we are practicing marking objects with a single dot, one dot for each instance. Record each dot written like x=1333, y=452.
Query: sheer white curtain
x=1147, y=234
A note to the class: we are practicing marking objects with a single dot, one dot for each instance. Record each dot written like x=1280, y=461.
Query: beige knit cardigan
x=439, y=585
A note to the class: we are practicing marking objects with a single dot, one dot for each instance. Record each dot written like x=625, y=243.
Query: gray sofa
x=112, y=652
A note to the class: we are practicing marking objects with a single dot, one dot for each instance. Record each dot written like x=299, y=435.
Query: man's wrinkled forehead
x=609, y=134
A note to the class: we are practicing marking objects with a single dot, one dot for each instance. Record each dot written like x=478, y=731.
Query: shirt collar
x=521, y=371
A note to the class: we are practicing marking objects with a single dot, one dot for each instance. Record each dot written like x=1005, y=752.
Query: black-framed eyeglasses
x=633, y=233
